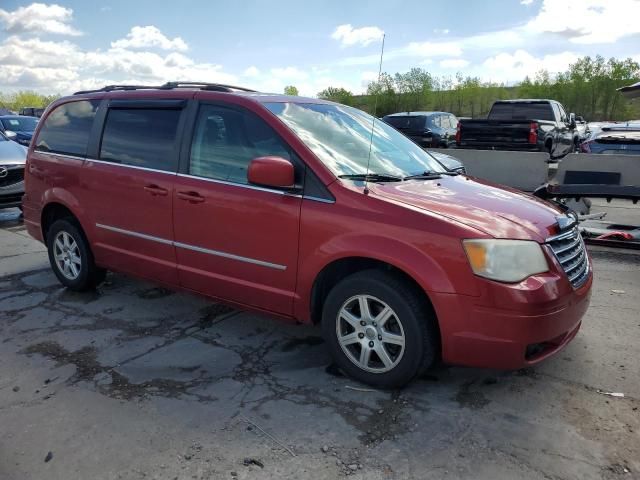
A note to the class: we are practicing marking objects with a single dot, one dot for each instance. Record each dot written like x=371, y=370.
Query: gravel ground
x=137, y=382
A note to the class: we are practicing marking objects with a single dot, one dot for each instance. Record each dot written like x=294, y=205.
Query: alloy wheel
x=67, y=255
x=370, y=333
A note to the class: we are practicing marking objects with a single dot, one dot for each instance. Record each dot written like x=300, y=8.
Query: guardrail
x=522, y=170
x=529, y=170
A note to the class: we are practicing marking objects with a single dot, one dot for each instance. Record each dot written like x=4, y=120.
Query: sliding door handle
x=156, y=190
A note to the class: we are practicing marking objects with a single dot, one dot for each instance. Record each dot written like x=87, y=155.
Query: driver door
x=234, y=240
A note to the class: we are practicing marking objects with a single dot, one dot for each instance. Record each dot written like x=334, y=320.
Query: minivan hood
x=493, y=209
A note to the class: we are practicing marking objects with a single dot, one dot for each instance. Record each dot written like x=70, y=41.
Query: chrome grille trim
x=570, y=251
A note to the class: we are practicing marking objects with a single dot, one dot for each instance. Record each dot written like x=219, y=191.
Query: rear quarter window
x=67, y=128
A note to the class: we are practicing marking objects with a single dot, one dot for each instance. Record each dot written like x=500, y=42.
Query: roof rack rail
x=112, y=88
x=216, y=87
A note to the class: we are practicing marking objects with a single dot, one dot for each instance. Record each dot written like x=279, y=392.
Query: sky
x=72, y=45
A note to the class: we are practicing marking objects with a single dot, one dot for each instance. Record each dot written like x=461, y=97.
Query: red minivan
x=311, y=211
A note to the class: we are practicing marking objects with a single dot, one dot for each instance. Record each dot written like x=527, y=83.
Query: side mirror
x=271, y=172
x=10, y=135
x=572, y=120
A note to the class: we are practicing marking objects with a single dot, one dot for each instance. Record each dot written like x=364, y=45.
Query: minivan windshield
x=341, y=137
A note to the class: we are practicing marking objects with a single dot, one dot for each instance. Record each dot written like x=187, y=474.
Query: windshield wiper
x=430, y=175
x=372, y=177
x=426, y=175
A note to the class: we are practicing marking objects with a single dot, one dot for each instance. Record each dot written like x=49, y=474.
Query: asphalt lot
x=137, y=382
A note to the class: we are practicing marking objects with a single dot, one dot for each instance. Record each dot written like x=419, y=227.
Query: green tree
x=414, y=88
x=587, y=87
x=383, y=98
x=291, y=90
x=339, y=95
x=25, y=98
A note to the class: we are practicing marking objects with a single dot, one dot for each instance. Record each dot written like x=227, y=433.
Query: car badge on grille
x=567, y=221
x=3, y=172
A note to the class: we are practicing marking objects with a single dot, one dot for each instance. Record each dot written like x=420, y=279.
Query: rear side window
x=141, y=137
x=444, y=121
x=521, y=111
x=67, y=128
x=407, y=122
x=453, y=121
x=225, y=141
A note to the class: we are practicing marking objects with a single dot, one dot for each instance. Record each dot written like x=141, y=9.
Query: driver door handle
x=191, y=197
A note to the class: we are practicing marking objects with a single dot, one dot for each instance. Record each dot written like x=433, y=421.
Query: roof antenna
x=375, y=117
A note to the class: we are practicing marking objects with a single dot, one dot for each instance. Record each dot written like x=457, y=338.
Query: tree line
x=587, y=87
x=25, y=98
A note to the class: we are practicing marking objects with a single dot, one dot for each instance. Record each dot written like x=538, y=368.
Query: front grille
x=570, y=251
x=10, y=199
x=13, y=175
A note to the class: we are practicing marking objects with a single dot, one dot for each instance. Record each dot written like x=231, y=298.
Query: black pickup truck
x=530, y=125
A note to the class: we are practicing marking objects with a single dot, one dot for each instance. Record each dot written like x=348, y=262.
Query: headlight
x=505, y=260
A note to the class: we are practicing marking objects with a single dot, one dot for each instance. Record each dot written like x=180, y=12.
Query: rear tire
x=379, y=328
x=71, y=257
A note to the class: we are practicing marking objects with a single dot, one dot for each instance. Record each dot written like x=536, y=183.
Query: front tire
x=380, y=330
x=71, y=257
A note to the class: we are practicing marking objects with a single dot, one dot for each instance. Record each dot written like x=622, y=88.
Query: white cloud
x=348, y=36
x=587, y=21
x=453, y=63
x=252, y=71
x=292, y=74
x=39, y=18
x=441, y=31
x=515, y=66
x=149, y=37
x=63, y=67
x=415, y=50
x=526, y=2
x=431, y=49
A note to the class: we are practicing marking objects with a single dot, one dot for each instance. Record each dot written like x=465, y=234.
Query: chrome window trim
x=254, y=187
x=146, y=169
x=236, y=184
x=63, y=155
x=194, y=248
x=317, y=199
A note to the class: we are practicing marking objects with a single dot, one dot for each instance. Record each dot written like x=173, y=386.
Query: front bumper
x=511, y=326
x=11, y=195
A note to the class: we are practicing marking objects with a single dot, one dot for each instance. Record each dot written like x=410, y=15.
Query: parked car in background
x=12, y=161
x=31, y=111
x=322, y=215
x=22, y=126
x=449, y=162
x=530, y=125
x=427, y=129
x=582, y=128
x=613, y=138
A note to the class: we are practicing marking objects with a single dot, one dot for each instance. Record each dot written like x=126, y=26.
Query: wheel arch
x=340, y=268
x=53, y=211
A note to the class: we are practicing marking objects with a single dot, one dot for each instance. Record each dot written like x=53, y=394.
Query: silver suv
x=12, y=161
